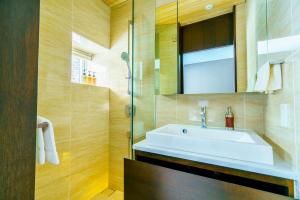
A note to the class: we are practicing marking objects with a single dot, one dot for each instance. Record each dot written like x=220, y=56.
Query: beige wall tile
x=52, y=192
x=91, y=18
x=241, y=47
x=119, y=123
x=89, y=141
x=295, y=4
x=279, y=18
x=79, y=113
x=297, y=104
x=280, y=24
x=189, y=109
x=255, y=112
x=87, y=184
x=55, y=39
x=53, y=181
x=166, y=110
x=248, y=110
x=296, y=62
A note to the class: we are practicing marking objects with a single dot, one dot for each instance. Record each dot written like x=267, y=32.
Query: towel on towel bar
x=40, y=146
x=46, y=147
x=275, y=81
x=269, y=78
x=263, y=76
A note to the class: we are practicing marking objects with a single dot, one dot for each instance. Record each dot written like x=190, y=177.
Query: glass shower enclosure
x=143, y=61
x=146, y=62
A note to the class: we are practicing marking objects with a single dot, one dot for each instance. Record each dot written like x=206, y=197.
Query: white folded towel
x=275, y=80
x=40, y=146
x=48, y=141
x=262, y=79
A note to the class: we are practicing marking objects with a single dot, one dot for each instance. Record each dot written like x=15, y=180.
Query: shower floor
x=109, y=194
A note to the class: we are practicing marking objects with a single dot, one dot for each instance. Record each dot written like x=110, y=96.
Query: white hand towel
x=40, y=147
x=262, y=79
x=51, y=154
x=275, y=81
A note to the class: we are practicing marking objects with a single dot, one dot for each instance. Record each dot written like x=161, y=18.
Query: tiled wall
x=284, y=21
x=118, y=97
x=91, y=18
x=144, y=82
x=248, y=110
x=166, y=50
x=80, y=114
x=54, y=94
x=88, y=129
x=144, y=57
x=241, y=47
x=89, y=144
x=255, y=111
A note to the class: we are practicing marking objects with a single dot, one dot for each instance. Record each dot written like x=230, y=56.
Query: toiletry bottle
x=229, y=119
x=94, y=79
x=89, y=78
x=83, y=76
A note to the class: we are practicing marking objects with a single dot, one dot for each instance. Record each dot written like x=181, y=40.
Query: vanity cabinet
x=164, y=177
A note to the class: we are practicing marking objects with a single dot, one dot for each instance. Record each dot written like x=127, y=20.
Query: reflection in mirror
x=166, y=47
x=209, y=71
x=208, y=59
x=214, y=46
x=208, y=46
x=256, y=30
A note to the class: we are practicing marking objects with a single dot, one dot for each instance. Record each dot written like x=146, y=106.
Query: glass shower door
x=143, y=61
x=154, y=60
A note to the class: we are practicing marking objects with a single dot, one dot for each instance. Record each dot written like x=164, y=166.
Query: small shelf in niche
x=88, y=62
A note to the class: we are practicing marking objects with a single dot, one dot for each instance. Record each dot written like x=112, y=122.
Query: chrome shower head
x=125, y=56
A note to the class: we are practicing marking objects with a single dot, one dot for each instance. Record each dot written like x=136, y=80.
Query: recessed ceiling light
x=209, y=6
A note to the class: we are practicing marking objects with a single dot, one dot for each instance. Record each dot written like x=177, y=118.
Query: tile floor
x=109, y=194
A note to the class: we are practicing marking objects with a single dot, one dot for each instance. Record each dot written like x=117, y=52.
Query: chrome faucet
x=203, y=117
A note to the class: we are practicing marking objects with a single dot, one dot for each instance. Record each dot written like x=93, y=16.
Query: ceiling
x=112, y=3
x=191, y=11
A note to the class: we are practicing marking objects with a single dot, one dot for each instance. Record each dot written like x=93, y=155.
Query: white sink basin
x=239, y=145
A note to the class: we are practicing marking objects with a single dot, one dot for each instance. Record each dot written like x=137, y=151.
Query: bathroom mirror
x=166, y=48
x=209, y=46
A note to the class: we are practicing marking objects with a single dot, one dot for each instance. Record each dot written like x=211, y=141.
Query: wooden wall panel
x=19, y=35
x=207, y=34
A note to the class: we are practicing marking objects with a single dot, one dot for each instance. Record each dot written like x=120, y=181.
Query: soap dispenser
x=229, y=119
